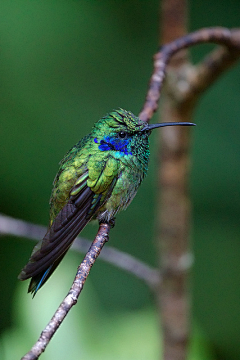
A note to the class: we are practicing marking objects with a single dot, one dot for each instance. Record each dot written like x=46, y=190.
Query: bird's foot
x=111, y=222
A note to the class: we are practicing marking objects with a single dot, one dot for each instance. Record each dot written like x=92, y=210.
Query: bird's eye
x=122, y=134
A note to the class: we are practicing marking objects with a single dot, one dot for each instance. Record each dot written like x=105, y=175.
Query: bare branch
x=126, y=262
x=72, y=296
x=20, y=228
x=217, y=35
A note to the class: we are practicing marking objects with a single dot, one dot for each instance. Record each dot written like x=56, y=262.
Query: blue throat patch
x=109, y=143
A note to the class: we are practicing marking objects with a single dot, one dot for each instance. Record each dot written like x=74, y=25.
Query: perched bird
x=97, y=178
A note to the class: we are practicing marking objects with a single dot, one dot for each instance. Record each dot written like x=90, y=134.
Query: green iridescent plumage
x=97, y=178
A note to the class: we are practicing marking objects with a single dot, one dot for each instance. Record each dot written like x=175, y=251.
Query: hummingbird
x=97, y=178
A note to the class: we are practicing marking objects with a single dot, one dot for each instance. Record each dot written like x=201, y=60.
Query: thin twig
x=126, y=262
x=72, y=296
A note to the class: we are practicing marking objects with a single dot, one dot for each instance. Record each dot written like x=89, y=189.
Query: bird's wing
x=88, y=194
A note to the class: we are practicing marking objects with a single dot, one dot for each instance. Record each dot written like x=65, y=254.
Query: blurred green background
x=63, y=65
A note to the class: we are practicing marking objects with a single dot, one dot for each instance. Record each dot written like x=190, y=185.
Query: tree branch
x=73, y=294
x=126, y=262
x=217, y=35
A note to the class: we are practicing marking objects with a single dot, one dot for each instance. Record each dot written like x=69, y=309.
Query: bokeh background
x=63, y=65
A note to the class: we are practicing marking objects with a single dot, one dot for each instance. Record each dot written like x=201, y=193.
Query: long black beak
x=154, y=126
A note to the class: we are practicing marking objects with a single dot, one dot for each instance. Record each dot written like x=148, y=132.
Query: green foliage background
x=63, y=65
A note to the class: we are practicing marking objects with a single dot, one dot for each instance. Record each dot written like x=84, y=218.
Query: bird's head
x=123, y=132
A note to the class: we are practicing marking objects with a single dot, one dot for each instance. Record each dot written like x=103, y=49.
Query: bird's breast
x=125, y=189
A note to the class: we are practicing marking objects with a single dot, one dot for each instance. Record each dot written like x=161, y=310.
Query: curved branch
x=217, y=35
x=73, y=294
x=126, y=262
